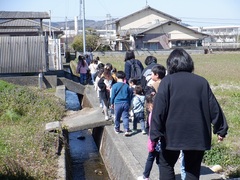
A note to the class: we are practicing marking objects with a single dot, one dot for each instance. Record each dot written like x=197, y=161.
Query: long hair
x=129, y=55
x=81, y=60
x=179, y=60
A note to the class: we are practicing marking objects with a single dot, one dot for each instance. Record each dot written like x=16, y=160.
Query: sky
x=199, y=13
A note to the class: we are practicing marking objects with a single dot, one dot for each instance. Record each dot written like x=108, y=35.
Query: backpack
x=136, y=71
x=148, y=76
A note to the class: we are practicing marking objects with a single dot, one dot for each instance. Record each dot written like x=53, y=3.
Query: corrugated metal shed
x=23, y=15
x=23, y=54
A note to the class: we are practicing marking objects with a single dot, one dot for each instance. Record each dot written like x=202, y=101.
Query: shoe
x=144, y=132
x=106, y=118
x=128, y=133
x=117, y=131
x=142, y=178
x=134, y=131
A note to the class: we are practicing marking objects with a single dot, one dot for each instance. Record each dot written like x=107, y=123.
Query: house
x=152, y=29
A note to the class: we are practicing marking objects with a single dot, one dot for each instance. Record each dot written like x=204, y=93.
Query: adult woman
x=184, y=109
x=129, y=60
x=82, y=69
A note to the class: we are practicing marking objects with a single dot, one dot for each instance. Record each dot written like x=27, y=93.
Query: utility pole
x=66, y=31
x=49, y=34
x=80, y=15
x=83, y=24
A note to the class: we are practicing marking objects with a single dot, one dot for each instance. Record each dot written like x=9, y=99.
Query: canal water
x=87, y=163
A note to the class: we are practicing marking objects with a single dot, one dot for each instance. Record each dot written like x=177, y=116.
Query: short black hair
x=120, y=75
x=160, y=70
x=133, y=80
x=100, y=66
x=150, y=60
x=179, y=60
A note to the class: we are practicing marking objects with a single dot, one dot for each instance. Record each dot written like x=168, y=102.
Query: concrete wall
x=118, y=159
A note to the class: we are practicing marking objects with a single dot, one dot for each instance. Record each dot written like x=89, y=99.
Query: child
x=132, y=83
x=99, y=75
x=93, y=69
x=137, y=106
x=158, y=73
x=121, y=97
x=105, y=84
x=153, y=154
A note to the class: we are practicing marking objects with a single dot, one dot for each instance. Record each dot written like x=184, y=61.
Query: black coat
x=184, y=109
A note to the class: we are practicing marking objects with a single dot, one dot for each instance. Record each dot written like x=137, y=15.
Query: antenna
x=146, y=2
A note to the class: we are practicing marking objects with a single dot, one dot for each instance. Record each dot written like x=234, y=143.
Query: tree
x=91, y=42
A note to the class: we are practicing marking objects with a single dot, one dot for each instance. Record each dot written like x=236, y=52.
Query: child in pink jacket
x=153, y=154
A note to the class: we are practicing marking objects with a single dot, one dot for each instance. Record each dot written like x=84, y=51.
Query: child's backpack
x=136, y=71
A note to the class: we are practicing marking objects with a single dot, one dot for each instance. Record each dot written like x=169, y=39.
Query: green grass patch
x=26, y=152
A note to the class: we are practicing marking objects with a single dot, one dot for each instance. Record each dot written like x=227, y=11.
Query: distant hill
x=88, y=24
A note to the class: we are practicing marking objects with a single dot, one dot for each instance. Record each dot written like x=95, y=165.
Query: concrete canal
x=86, y=162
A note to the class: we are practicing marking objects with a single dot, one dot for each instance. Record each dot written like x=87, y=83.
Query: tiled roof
x=23, y=15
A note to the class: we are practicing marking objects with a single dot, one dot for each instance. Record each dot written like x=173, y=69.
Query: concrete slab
x=87, y=118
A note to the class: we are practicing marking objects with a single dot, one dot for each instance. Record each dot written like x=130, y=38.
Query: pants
x=83, y=78
x=168, y=158
x=138, y=117
x=121, y=110
x=149, y=163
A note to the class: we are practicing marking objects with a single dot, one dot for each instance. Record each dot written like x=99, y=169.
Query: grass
x=222, y=70
x=26, y=152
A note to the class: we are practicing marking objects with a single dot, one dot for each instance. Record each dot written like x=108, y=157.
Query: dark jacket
x=184, y=109
x=127, y=68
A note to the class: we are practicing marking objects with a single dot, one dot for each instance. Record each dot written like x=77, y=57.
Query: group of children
x=87, y=68
x=121, y=100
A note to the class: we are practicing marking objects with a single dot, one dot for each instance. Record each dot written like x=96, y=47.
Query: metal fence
x=23, y=54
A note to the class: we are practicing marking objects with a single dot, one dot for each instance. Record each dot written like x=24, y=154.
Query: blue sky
x=196, y=13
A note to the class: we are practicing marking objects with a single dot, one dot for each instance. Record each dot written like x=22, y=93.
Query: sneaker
x=128, y=133
x=134, y=131
x=117, y=131
x=144, y=132
x=106, y=118
x=142, y=178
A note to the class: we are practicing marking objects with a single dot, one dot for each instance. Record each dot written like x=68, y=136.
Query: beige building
x=150, y=29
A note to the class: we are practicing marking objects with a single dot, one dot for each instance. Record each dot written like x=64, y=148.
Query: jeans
x=139, y=117
x=121, y=110
x=83, y=78
x=168, y=158
x=149, y=163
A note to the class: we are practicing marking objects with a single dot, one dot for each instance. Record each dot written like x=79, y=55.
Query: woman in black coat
x=129, y=59
x=185, y=110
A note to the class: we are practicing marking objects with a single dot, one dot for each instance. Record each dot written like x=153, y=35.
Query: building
x=27, y=44
x=151, y=29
